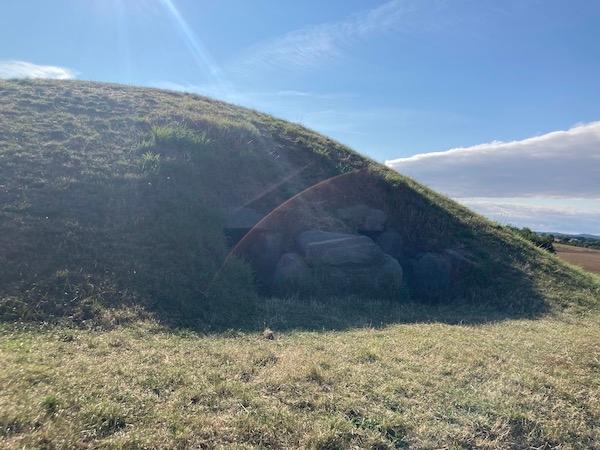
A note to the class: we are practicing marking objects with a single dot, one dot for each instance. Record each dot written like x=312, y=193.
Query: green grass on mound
x=116, y=196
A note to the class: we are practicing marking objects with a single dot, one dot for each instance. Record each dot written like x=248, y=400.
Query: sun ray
x=200, y=54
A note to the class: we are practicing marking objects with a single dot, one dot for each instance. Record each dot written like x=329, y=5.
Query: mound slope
x=179, y=204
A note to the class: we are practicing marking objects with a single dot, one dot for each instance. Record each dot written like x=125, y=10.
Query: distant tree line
x=578, y=241
x=546, y=240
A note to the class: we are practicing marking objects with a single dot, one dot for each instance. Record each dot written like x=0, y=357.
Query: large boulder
x=380, y=280
x=338, y=264
x=338, y=249
x=430, y=274
x=292, y=274
x=263, y=248
x=240, y=221
x=363, y=218
x=461, y=261
x=389, y=276
x=434, y=274
x=391, y=243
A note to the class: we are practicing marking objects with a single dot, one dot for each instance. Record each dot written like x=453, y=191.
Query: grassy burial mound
x=195, y=210
x=126, y=214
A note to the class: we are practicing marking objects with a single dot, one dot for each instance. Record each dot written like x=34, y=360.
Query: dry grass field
x=508, y=384
x=586, y=258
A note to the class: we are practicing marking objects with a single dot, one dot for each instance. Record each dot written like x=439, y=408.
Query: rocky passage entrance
x=362, y=254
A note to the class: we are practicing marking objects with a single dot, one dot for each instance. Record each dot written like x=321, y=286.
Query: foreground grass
x=516, y=383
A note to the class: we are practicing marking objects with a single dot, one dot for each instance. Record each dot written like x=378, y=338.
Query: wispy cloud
x=24, y=69
x=247, y=97
x=310, y=94
x=558, y=164
x=312, y=45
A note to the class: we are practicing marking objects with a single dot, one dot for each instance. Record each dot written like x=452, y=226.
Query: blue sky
x=390, y=78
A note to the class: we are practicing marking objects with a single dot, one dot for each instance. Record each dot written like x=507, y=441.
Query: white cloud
x=24, y=69
x=547, y=183
x=559, y=164
x=312, y=45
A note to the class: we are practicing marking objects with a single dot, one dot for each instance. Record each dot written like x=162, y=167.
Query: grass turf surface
x=514, y=383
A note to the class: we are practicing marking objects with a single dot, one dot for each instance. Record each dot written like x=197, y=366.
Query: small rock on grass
x=268, y=334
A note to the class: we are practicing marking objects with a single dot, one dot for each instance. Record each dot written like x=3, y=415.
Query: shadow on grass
x=338, y=314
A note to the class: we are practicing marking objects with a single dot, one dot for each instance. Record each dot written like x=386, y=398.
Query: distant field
x=587, y=258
